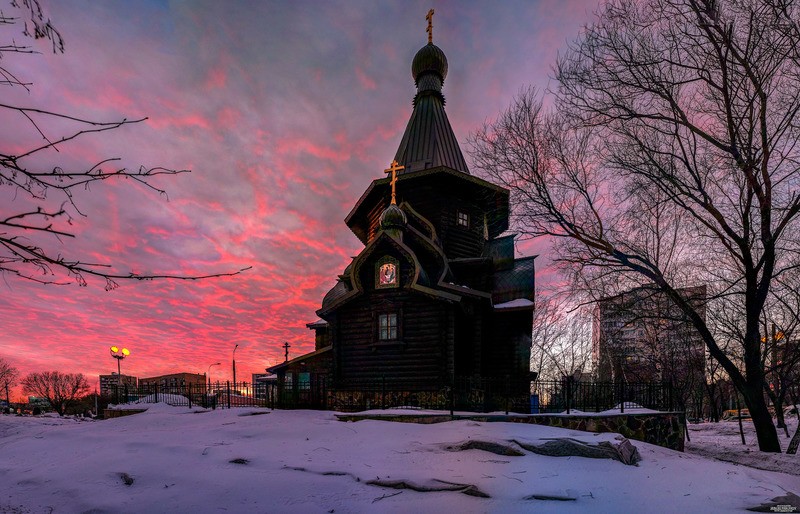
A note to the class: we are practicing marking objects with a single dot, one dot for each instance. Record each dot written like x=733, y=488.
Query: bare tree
x=561, y=339
x=8, y=377
x=781, y=342
x=693, y=105
x=61, y=390
x=31, y=238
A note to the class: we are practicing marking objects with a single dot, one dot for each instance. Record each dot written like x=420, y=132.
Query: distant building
x=265, y=385
x=642, y=336
x=36, y=401
x=108, y=383
x=175, y=381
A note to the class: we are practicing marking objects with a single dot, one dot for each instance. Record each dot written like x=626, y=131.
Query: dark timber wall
x=507, y=350
x=440, y=209
x=417, y=360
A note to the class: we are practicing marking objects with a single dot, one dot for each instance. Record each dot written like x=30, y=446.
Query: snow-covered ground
x=173, y=459
x=723, y=441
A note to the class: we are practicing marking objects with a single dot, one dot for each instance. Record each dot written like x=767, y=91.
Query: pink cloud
x=216, y=79
x=365, y=81
x=298, y=145
x=285, y=116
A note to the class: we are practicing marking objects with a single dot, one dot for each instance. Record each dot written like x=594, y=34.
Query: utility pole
x=234, y=365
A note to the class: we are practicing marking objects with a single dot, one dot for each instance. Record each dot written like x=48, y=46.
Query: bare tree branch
x=25, y=251
x=670, y=158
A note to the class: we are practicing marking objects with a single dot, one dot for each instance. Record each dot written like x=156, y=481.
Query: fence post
x=228, y=384
x=622, y=397
x=670, y=392
x=568, y=392
x=325, y=392
x=452, y=399
x=189, y=394
x=383, y=391
x=506, y=391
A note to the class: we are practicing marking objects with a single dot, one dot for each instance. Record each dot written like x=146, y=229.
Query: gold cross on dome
x=392, y=170
x=429, y=30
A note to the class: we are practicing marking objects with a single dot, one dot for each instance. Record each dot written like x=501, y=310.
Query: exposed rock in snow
x=622, y=450
x=432, y=486
x=492, y=447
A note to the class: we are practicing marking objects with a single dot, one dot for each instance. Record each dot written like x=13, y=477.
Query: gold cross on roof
x=392, y=170
x=429, y=30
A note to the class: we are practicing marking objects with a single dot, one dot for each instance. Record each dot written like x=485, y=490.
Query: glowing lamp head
x=126, y=352
x=114, y=349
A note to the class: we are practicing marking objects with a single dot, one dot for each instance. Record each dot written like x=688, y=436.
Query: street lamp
x=234, y=365
x=208, y=374
x=119, y=355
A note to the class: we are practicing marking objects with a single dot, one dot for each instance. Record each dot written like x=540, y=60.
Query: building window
x=387, y=327
x=304, y=381
x=462, y=218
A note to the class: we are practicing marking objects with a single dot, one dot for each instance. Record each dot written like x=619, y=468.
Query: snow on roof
x=317, y=324
x=519, y=303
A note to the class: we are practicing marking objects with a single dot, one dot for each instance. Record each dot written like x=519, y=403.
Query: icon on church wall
x=386, y=271
x=388, y=274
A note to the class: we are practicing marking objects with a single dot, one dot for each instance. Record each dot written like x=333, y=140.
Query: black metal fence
x=212, y=396
x=465, y=394
x=569, y=396
x=490, y=395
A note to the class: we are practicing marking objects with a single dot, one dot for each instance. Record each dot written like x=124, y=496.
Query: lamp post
x=119, y=355
x=234, y=365
x=208, y=374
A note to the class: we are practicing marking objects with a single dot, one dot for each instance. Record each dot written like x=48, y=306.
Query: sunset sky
x=284, y=112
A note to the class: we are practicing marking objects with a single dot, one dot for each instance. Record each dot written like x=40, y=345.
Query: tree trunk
x=781, y=421
x=686, y=428
x=795, y=442
x=762, y=420
x=739, y=419
x=778, y=399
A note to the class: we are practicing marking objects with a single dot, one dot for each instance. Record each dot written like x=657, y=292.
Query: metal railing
x=212, y=396
x=568, y=395
x=499, y=394
x=471, y=394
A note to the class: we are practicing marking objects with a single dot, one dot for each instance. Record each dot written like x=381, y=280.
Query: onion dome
x=393, y=217
x=430, y=60
x=429, y=141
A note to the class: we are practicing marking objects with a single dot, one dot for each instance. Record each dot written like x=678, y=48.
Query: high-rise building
x=642, y=336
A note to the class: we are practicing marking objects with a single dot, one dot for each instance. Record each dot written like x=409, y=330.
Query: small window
x=304, y=381
x=387, y=327
x=462, y=218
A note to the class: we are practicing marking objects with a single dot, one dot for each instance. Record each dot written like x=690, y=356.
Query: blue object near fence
x=534, y=404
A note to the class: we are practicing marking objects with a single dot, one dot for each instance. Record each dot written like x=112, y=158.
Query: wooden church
x=436, y=300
